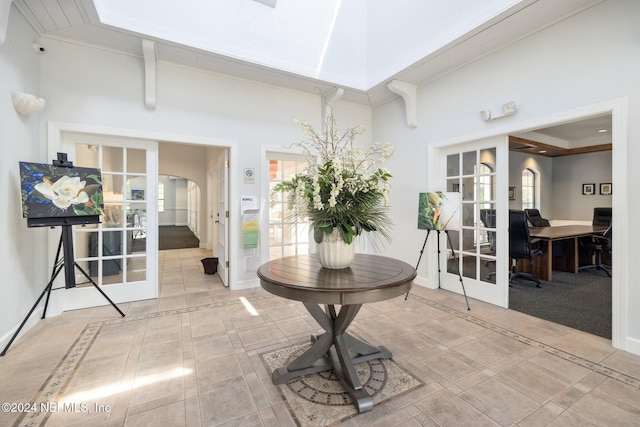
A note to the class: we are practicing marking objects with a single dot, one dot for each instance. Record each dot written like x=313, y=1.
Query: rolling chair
x=535, y=219
x=602, y=216
x=520, y=245
x=488, y=218
x=597, y=246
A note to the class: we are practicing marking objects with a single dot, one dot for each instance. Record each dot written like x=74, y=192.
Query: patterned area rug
x=320, y=399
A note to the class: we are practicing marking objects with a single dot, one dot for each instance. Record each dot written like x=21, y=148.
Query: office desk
x=567, y=256
x=369, y=278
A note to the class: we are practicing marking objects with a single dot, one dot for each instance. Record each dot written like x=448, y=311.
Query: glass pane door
x=474, y=253
x=120, y=253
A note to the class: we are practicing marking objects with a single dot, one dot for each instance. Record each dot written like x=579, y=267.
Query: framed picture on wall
x=588, y=189
x=137, y=194
x=512, y=193
x=605, y=189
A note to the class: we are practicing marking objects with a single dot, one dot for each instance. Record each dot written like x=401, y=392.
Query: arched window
x=529, y=178
x=485, y=182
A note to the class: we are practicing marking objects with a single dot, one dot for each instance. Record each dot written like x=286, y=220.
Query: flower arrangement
x=343, y=187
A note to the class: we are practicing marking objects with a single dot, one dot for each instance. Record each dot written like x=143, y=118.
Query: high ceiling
x=309, y=45
x=319, y=45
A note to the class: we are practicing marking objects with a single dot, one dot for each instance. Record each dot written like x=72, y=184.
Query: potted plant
x=342, y=191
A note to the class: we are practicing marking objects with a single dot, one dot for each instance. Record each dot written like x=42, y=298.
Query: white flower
x=317, y=198
x=64, y=192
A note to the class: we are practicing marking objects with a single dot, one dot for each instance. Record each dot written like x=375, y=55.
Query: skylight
x=353, y=43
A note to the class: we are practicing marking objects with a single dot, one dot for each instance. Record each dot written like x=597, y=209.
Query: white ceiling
x=308, y=45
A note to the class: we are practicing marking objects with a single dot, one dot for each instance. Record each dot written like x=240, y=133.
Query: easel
x=439, y=270
x=67, y=261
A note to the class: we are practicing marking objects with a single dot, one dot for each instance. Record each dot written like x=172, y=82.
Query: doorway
x=618, y=110
x=64, y=137
x=583, y=154
x=179, y=213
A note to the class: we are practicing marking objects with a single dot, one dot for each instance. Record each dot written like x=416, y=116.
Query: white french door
x=119, y=254
x=478, y=250
x=223, y=218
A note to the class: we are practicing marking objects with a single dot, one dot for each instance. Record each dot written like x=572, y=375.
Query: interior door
x=223, y=218
x=477, y=253
x=119, y=254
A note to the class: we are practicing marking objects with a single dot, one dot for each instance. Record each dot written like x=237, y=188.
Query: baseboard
x=424, y=282
x=246, y=284
x=633, y=346
x=31, y=322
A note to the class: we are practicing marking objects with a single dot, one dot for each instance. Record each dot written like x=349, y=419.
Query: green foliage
x=342, y=188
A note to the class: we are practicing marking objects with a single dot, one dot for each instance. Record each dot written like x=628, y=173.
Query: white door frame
x=55, y=130
x=618, y=110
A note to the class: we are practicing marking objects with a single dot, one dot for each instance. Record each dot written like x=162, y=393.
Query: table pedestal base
x=335, y=350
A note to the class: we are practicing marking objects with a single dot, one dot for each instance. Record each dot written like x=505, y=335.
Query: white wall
x=561, y=180
x=23, y=256
x=192, y=104
x=569, y=173
x=585, y=60
x=102, y=89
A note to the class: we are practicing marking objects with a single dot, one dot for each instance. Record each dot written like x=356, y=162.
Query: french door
x=223, y=218
x=119, y=254
x=477, y=252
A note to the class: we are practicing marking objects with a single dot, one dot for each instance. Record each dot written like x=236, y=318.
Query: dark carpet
x=581, y=301
x=169, y=237
x=176, y=237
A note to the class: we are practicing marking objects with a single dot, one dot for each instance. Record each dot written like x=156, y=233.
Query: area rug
x=320, y=399
x=176, y=237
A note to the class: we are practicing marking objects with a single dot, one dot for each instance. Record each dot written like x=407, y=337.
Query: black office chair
x=488, y=218
x=535, y=219
x=602, y=216
x=597, y=246
x=520, y=245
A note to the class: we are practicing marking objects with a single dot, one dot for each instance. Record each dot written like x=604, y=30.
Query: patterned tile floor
x=193, y=358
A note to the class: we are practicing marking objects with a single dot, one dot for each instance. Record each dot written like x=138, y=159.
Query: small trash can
x=210, y=265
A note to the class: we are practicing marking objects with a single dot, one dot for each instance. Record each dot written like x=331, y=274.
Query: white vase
x=333, y=252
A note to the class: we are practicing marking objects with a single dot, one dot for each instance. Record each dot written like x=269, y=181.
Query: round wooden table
x=369, y=278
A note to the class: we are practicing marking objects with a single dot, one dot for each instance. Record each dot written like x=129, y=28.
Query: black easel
x=454, y=259
x=67, y=261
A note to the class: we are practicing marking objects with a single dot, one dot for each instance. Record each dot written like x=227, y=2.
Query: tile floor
x=191, y=358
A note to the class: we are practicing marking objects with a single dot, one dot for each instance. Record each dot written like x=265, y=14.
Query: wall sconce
x=508, y=109
x=27, y=104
